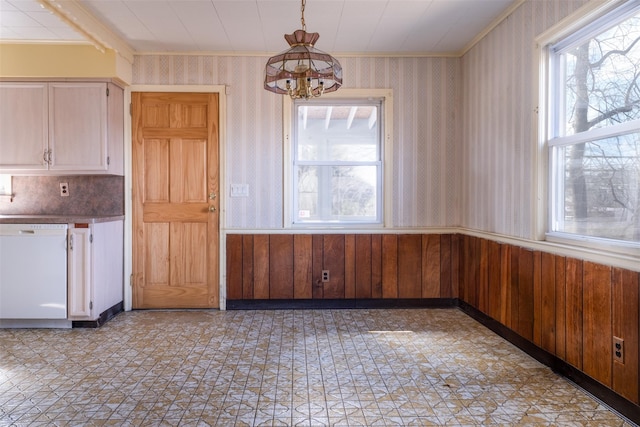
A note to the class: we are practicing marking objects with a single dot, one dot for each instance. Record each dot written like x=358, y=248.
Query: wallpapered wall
x=498, y=119
x=462, y=127
x=426, y=131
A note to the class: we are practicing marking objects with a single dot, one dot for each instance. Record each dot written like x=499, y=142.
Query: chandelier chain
x=304, y=26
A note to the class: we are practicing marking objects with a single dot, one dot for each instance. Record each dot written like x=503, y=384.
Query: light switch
x=239, y=190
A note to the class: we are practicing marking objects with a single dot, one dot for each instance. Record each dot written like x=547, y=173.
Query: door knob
x=212, y=208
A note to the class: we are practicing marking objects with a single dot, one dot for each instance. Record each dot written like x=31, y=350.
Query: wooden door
x=175, y=203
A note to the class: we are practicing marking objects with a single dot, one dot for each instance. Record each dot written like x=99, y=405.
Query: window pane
x=600, y=78
x=352, y=191
x=602, y=188
x=337, y=133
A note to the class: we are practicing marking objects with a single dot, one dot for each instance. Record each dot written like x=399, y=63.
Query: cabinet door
x=108, y=265
x=79, y=273
x=23, y=126
x=77, y=126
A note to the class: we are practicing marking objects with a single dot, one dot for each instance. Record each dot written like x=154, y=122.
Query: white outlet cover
x=64, y=189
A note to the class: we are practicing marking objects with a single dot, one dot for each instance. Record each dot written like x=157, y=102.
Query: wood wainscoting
x=360, y=266
x=568, y=308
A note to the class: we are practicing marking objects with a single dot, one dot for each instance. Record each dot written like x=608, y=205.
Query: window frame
x=386, y=149
x=567, y=31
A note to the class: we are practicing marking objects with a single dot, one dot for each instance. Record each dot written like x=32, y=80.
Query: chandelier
x=302, y=71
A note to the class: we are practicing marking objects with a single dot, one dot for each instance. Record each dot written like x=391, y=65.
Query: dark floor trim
x=625, y=407
x=104, y=317
x=309, y=304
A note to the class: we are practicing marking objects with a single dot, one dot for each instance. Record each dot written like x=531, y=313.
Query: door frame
x=221, y=90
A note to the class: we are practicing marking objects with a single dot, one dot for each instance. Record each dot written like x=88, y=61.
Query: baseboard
x=104, y=317
x=312, y=304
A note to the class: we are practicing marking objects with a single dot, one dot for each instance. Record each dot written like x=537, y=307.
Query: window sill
x=603, y=246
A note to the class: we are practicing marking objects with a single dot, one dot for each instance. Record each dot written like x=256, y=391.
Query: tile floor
x=279, y=368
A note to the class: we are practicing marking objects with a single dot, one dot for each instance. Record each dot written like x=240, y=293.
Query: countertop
x=58, y=219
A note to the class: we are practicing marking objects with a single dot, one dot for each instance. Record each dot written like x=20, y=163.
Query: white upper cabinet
x=83, y=128
x=78, y=126
x=23, y=126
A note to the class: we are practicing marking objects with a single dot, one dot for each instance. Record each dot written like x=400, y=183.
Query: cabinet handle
x=44, y=156
x=71, y=242
x=49, y=156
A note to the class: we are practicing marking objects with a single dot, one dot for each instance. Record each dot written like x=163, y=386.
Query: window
x=337, y=161
x=593, y=132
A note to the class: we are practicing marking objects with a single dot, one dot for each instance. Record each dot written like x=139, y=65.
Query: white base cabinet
x=95, y=269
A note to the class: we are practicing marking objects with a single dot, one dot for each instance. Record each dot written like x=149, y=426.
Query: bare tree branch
x=614, y=52
x=607, y=115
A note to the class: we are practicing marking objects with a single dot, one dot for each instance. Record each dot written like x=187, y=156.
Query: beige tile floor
x=280, y=368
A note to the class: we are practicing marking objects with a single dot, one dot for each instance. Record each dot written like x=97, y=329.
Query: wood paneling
x=376, y=266
x=261, y=266
x=446, y=267
x=431, y=266
x=573, y=314
x=483, y=277
x=626, y=303
x=456, y=244
x=525, y=294
x=317, y=256
x=470, y=270
x=561, y=307
x=493, y=277
x=302, y=266
x=597, y=347
x=363, y=266
x=537, y=298
x=410, y=266
x=514, y=292
x=234, y=266
x=247, y=267
x=505, y=285
x=350, y=266
x=569, y=307
x=333, y=260
x=389, y=266
x=548, y=302
x=280, y=266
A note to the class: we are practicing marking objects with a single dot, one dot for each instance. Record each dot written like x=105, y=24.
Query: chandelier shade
x=302, y=71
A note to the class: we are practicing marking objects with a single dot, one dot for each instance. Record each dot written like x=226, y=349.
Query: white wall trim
x=629, y=262
x=576, y=20
x=344, y=230
x=221, y=90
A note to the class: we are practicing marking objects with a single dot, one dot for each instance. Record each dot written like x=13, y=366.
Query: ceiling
x=387, y=27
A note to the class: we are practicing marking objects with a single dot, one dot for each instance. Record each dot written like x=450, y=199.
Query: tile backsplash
x=90, y=195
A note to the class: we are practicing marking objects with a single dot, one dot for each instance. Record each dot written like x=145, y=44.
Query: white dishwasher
x=33, y=275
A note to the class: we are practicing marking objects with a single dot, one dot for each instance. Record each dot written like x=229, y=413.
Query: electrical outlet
x=618, y=350
x=64, y=189
x=325, y=275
